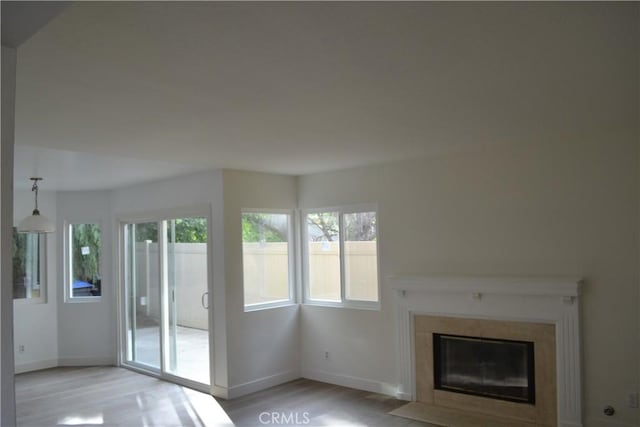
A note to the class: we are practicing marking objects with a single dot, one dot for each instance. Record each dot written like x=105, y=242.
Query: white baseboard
x=21, y=368
x=404, y=396
x=87, y=361
x=262, y=383
x=351, y=382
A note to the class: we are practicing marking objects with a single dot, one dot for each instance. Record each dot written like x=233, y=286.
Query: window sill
x=357, y=305
x=269, y=306
x=81, y=300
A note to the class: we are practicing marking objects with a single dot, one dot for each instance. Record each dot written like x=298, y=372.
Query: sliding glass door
x=143, y=292
x=166, y=287
x=188, y=299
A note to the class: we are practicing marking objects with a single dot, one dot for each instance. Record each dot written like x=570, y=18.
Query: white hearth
x=537, y=300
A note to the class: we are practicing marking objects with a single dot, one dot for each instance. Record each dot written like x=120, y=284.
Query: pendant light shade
x=36, y=223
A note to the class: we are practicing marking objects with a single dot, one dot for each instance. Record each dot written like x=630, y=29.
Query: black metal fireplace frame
x=437, y=373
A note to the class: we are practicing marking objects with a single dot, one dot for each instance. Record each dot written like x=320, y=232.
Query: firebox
x=488, y=367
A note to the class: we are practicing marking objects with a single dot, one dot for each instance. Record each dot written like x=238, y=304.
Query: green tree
x=86, y=248
x=264, y=227
x=147, y=231
x=19, y=251
x=187, y=230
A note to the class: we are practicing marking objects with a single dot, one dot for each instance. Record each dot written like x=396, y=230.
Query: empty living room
x=310, y=213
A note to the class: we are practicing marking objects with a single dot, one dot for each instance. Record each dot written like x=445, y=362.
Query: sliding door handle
x=204, y=300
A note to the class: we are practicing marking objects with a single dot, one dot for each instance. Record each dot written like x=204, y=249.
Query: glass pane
x=324, y=256
x=501, y=369
x=265, y=257
x=360, y=256
x=26, y=265
x=143, y=287
x=188, y=334
x=86, y=280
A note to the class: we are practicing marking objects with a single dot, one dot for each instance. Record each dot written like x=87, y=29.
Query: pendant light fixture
x=36, y=223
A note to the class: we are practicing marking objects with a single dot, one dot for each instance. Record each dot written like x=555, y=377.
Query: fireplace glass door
x=500, y=369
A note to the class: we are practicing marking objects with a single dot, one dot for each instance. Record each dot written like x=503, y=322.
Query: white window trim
x=304, y=237
x=291, y=262
x=42, y=299
x=68, y=259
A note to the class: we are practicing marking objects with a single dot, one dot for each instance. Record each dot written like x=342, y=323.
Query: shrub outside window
x=85, y=246
x=266, y=259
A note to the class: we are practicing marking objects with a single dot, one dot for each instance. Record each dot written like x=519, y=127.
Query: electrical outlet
x=632, y=400
x=326, y=354
x=21, y=348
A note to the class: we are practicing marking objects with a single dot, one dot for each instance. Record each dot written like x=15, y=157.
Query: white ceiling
x=300, y=88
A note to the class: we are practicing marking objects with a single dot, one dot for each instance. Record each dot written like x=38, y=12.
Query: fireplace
x=495, y=368
x=492, y=367
x=536, y=315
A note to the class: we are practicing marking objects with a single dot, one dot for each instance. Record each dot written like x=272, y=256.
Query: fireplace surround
x=548, y=305
x=539, y=410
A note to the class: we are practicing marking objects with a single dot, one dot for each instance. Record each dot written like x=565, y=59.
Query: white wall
x=86, y=330
x=560, y=208
x=36, y=325
x=263, y=345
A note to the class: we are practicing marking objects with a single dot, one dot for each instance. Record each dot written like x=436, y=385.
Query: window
x=323, y=234
x=341, y=257
x=266, y=259
x=360, y=256
x=28, y=266
x=85, y=280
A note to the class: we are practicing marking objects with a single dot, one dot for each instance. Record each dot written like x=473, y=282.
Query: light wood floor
x=109, y=396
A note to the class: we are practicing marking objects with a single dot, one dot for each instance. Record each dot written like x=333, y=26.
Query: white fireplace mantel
x=524, y=299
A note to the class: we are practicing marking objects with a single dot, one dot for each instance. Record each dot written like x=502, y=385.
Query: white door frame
x=200, y=211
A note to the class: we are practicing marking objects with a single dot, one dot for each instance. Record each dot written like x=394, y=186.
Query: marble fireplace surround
x=519, y=299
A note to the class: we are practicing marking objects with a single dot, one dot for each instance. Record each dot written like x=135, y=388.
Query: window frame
x=42, y=260
x=304, y=239
x=68, y=266
x=291, y=259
